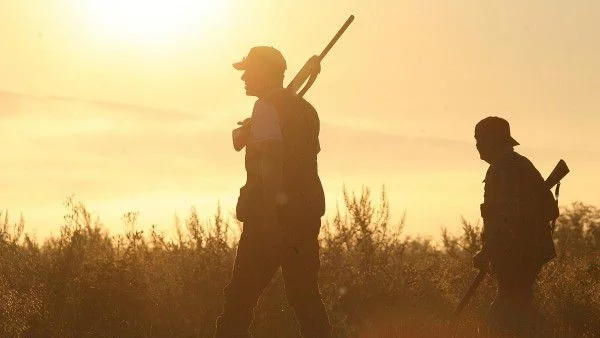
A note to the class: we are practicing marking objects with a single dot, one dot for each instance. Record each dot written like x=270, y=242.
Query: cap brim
x=240, y=65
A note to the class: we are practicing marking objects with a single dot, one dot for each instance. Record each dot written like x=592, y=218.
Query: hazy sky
x=129, y=104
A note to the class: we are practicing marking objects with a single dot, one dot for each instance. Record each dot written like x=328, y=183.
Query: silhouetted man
x=281, y=203
x=517, y=240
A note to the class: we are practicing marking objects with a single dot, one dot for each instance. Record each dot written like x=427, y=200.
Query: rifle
x=561, y=170
x=308, y=73
x=474, y=284
x=312, y=67
x=558, y=173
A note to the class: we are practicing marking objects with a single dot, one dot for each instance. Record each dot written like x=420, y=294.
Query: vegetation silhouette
x=377, y=281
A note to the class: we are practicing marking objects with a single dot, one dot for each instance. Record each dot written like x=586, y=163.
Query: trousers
x=294, y=248
x=513, y=311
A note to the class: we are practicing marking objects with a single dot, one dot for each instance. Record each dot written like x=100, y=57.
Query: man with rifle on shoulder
x=518, y=211
x=282, y=202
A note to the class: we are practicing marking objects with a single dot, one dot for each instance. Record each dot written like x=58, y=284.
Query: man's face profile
x=255, y=81
x=484, y=147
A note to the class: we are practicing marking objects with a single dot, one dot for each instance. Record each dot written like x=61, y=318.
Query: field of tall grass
x=376, y=281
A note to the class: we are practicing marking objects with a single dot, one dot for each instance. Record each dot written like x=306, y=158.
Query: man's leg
x=513, y=309
x=300, y=269
x=257, y=259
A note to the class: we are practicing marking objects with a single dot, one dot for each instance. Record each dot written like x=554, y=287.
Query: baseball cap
x=496, y=128
x=262, y=56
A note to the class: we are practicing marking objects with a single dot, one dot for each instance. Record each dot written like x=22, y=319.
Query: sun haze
x=129, y=105
x=150, y=22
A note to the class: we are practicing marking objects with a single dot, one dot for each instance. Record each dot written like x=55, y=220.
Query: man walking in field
x=280, y=205
x=517, y=237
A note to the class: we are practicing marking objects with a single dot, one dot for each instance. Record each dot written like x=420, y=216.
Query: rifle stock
x=310, y=68
x=558, y=173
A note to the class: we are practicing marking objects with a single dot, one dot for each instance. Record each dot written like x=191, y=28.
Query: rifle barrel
x=336, y=37
x=471, y=291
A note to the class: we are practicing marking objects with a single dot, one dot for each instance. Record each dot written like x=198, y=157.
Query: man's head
x=263, y=70
x=493, y=138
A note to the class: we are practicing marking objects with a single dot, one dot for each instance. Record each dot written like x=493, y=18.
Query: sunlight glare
x=152, y=21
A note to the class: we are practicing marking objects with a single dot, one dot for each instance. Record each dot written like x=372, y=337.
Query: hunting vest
x=301, y=185
x=517, y=210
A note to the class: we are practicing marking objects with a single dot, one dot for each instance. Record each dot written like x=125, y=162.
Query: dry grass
x=376, y=281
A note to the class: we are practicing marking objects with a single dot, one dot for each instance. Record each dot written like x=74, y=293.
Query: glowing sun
x=151, y=21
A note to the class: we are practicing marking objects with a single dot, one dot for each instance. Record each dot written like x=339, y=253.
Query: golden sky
x=129, y=104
